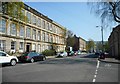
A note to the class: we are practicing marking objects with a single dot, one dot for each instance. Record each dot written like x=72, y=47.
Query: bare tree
x=109, y=11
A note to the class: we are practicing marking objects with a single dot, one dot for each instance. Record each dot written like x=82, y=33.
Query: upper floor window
x=34, y=34
x=13, y=29
x=43, y=36
x=39, y=22
x=28, y=17
x=33, y=20
x=22, y=30
x=28, y=34
x=43, y=24
x=48, y=26
x=39, y=35
x=2, y=25
x=22, y=15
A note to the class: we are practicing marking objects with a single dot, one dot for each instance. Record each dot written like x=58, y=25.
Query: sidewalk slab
x=110, y=60
x=50, y=56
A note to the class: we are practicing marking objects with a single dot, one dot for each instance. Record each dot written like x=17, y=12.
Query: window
x=34, y=34
x=28, y=34
x=2, y=54
x=50, y=27
x=22, y=15
x=43, y=24
x=39, y=22
x=39, y=48
x=15, y=11
x=22, y=31
x=13, y=28
x=2, y=45
x=33, y=20
x=49, y=38
x=2, y=26
x=28, y=17
x=13, y=45
x=21, y=46
x=39, y=35
x=3, y=8
x=43, y=36
x=46, y=37
x=34, y=47
x=47, y=26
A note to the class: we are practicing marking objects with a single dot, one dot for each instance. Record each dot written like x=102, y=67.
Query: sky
x=75, y=16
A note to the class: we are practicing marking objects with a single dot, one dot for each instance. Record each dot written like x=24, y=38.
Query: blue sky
x=75, y=16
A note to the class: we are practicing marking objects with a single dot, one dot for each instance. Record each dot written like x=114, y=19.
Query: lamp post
x=102, y=37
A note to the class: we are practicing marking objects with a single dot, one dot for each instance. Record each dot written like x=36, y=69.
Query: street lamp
x=102, y=36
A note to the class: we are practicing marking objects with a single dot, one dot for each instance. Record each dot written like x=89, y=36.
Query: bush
x=48, y=52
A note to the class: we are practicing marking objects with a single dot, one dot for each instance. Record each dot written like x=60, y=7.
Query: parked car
x=102, y=56
x=31, y=57
x=62, y=54
x=7, y=59
x=97, y=53
x=78, y=52
x=70, y=53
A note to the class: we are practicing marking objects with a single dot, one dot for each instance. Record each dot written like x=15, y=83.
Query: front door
x=27, y=48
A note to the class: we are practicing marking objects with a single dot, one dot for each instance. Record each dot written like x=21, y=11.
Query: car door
x=4, y=58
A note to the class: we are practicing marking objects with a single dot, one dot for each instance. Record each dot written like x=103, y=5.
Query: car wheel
x=13, y=62
x=32, y=60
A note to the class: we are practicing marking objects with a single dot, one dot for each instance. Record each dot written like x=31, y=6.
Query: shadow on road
x=91, y=56
x=69, y=61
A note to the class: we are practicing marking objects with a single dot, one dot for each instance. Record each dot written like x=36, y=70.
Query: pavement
x=110, y=60
x=48, y=57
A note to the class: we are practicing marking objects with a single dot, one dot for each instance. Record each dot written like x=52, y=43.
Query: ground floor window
x=34, y=47
x=13, y=45
x=2, y=45
x=21, y=46
x=39, y=48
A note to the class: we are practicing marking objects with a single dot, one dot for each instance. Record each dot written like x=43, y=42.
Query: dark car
x=102, y=56
x=31, y=57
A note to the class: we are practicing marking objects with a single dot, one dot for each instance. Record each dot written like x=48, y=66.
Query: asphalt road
x=82, y=68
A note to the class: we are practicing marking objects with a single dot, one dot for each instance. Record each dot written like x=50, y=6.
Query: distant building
x=114, y=42
x=37, y=33
x=80, y=44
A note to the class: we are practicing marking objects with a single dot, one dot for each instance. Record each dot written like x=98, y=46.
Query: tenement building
x=114, y=42
x=37, y=32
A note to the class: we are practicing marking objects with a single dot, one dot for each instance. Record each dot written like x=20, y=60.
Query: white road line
x=95, y=76
x=94, y=80
x=98, y=64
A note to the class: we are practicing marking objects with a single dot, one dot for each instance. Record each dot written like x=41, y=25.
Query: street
x=82, y=68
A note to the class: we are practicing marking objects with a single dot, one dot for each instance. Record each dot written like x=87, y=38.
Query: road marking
x=95, y=76
x=98, y=64
x=94, y=80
